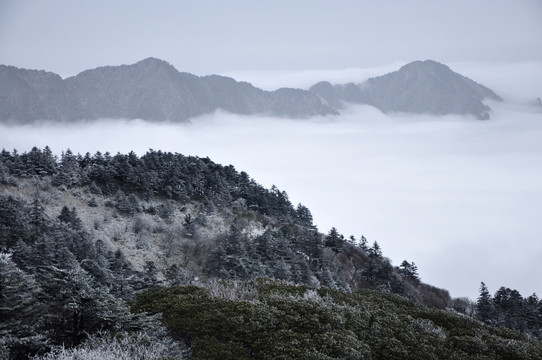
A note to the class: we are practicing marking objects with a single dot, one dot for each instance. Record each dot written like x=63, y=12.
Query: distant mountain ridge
x=151, y=89
x=154, y=90
x=418, y=87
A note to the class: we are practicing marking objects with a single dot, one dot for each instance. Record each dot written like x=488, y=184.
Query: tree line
x=509, y=309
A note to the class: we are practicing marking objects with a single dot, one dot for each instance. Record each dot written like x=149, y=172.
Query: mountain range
x=151, y=90
x=154, y=90
x=418, y=87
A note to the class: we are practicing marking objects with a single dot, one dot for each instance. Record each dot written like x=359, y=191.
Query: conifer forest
x=166, y=256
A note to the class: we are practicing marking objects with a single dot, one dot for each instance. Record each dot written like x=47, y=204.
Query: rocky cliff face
x=419, y=87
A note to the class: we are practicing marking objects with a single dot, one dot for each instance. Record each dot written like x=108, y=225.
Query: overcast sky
x=461, y=198
x=216, y=36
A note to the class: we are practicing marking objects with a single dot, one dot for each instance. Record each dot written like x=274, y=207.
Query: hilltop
x=105, y=243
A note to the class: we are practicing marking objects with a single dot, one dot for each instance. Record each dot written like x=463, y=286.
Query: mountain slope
x=275, y=320
x=29, y=95
x=418, y=87
x=151, y=90
x=154, y=90
x=82, y=235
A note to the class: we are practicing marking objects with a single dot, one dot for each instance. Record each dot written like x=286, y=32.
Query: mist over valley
x=270, y=180
x=454, y=194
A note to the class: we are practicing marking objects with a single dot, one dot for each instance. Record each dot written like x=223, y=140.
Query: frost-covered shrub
x=233, y=290
x=141, y=224
x=123, y=346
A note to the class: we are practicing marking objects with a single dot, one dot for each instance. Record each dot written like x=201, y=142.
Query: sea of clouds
x=461, y=198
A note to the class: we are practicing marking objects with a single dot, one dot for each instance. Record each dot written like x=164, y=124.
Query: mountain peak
x=417, y=87
x=429, y=87
x=154, y=64
x=426, y=66
x=152, y=61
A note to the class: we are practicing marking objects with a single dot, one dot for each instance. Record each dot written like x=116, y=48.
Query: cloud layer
x=461, y=198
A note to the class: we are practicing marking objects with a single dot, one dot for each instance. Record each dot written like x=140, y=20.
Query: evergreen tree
x=150, y=272
x=37, y=217
x=95, y=189
x=484, y=305
x=92, y=202
x=363, y=243
x=509, y=308
x=175, y=276
x=78, y=306
x=70, y=218
x=20, y=308
x=334, y=240
x=409, y=270
x=69, y=172
x=14, y=222
x=231, y=256
x=375, y=250
x=532, y=317
x=303, y=216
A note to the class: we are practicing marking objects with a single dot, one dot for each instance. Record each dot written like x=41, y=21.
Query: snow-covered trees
x=231, y=258
x=206, y=221
x=508, y=308
x=484, y=305
x=334, y=240
x=409, y=270
x=21, y=310
x=69, y=173
x=56, y=284
x=303, y=216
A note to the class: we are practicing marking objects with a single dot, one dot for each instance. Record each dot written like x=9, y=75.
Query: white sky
x=215, y=36
x=459, y=197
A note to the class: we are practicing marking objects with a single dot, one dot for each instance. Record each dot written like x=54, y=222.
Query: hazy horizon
x=216, y=37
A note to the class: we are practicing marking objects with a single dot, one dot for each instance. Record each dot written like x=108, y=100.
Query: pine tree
x=303, y=216
x=37, y=217
x=409, y=270
x=334, y=240
x=95, y=189
x=78, y=306
x=375, y=250
x=71, y=218
x=69, y=172
x=484, y=305
x=363, y=243
x=20, y=309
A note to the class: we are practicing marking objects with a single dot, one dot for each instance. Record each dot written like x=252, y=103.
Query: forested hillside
x=84, y=237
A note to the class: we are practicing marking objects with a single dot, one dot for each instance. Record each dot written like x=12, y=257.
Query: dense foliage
x=81, y=235
x=289, y=248
x=57, y=284
x=174, y=176
x=274, y=320
x=509, y=309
